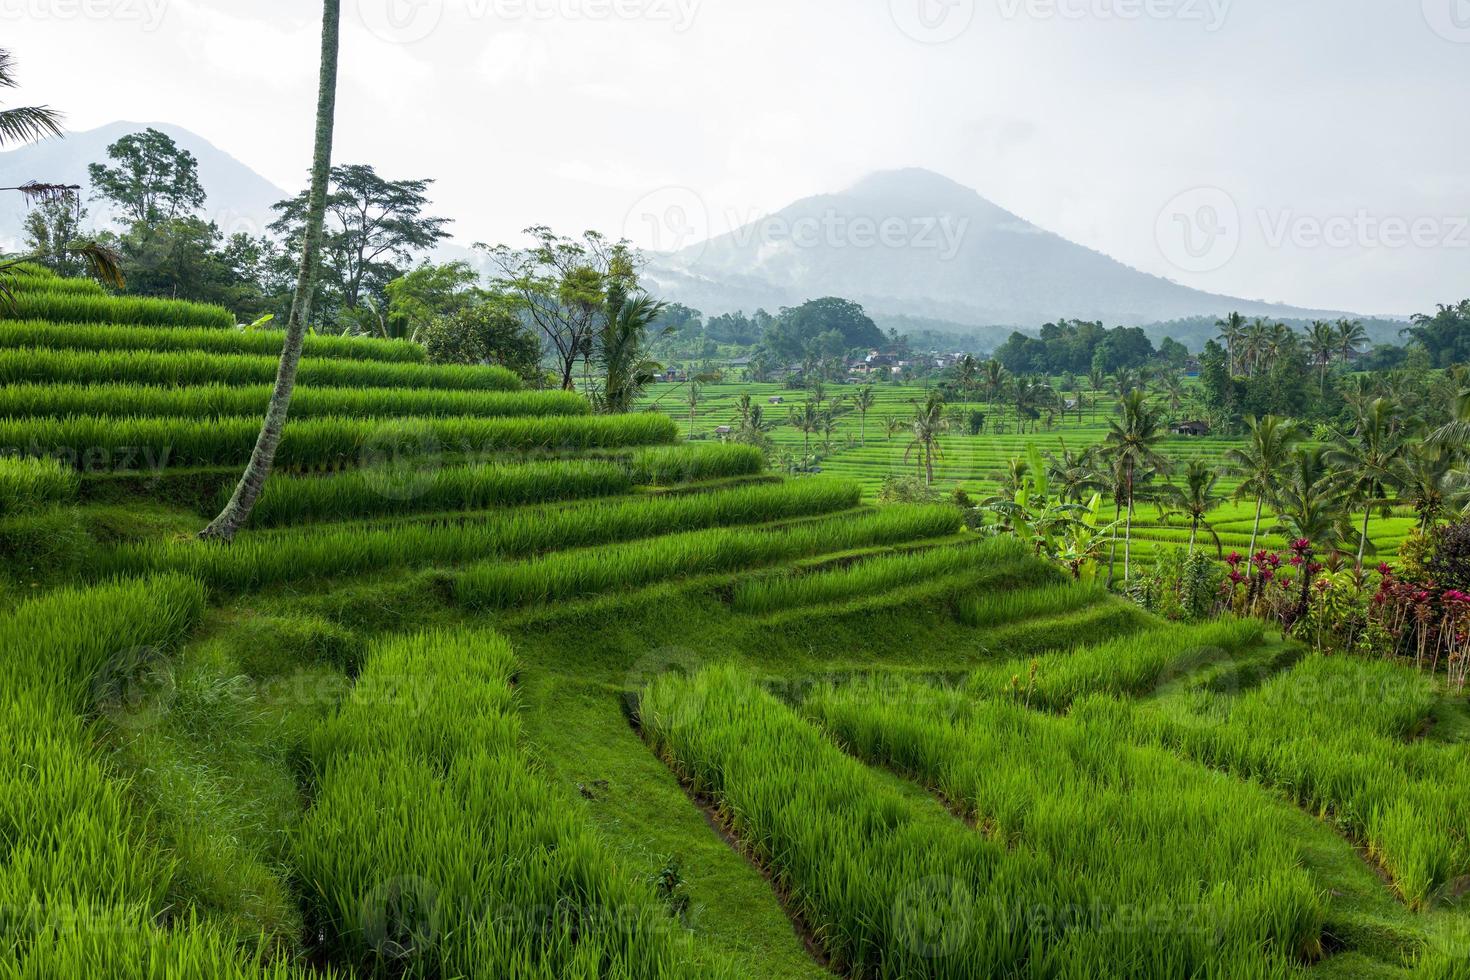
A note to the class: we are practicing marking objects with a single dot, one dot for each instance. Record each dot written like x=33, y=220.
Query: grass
x=41, y=334
x=434, y=848
x=1004, y=560
x=217, y=401
x=1001, y=608
x=1131, y=665
x=30, y=484
x=277, y=557
x=1333, y=733
x=379, y=492
x=94, y=444
x=81, y=885
x=68, y=305
x=690, y=462
x=1193, y=853
x=42, y=366
x=890, y=886
x=577, y=574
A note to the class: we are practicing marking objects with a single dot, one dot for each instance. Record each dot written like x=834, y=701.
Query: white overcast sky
x=1087, y=117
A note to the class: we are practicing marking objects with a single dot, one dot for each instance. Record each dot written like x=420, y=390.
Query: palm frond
x=26, y=123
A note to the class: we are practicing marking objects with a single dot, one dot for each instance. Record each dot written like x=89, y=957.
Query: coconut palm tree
x=242, y=501
x=967, y=374
x=1232, y=331
x=993, y=378
x=805, y=420
x=1371, y=460
x=1195, y=498
x=1260, y=463
x=1174, y=393
x=1130, y=444
x=864, y=401
x=1075, y=475
x=1307, y=503
x=23, y=124
x=692, y=392
x=620, y=350
x=1322, y=345
x=1455, y=434
x=928, y=426
x=1434, y=483
x=1350, y=338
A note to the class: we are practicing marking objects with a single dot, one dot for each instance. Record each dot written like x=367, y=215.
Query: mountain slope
x=239, y=198
x=913, y=242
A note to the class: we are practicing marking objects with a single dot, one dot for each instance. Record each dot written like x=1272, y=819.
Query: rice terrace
x=395, y=586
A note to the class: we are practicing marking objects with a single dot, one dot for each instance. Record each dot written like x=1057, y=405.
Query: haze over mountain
x=239, y=198
x=914, y=243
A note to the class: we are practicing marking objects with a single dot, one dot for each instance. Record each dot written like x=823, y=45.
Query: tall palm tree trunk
x=1193, y=533
x=1363, y=543
x=262, y=458
x=1255, y=529
x=1128, y=530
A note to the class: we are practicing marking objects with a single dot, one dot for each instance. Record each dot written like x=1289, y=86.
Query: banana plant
x=1070, y=534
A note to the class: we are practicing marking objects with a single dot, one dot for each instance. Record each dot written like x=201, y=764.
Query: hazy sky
x=1309, y=151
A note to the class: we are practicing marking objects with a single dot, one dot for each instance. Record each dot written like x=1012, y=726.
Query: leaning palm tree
x=237, y=511
x=1130, y=445
x=1371, y=460
x=1260, y=462
x=1195, y=498
x=928, y=425
x=864, y=401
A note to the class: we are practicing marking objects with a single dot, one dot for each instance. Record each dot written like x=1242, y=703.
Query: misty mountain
x=913, y=243
x=239, y=198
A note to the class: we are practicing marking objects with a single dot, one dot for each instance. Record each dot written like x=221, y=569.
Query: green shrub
x=42, y=366
x=160, y=340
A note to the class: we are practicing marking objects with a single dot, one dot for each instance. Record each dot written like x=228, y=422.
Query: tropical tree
x=993, y=378
x=1307, y=503
x=1371, y=460
x=621, y=352
x=1232, y=332
x=805, y=420
x=692, y=390
x=1350, y=339
x=1074, y=474
x=1454, y=435
x=1130, y=444
x=242, y=501
x=1434, y=482
x=1196, y=499
x=864, y=401
x=893, y=425
x=1322, y=345
x=928, y=425
x=1259, y=463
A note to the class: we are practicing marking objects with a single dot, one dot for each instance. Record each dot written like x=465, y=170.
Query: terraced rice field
x=977, y=464
x=535, y=694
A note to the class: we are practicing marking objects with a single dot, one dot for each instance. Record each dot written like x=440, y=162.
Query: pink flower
x=1301, y=546
x=1236, y=577
x=1233, y=559
x=1384, y=570
x=1296, y=561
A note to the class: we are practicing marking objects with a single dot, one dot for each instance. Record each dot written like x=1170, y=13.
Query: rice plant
x=43, y=366
x=577, y=574
x=25, y=282
x=264, y=343
x=435, y=849
x=274, y=557
x=1199, y=854
x=893, y=887
x=66, y=305
x=104, y=444
x=1128, y=665
x=215, y=401
x=992, y=609
x=29, y=484
x=1332, y=733
x=669, y=465
x=378, y=492
x=1006, y=563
